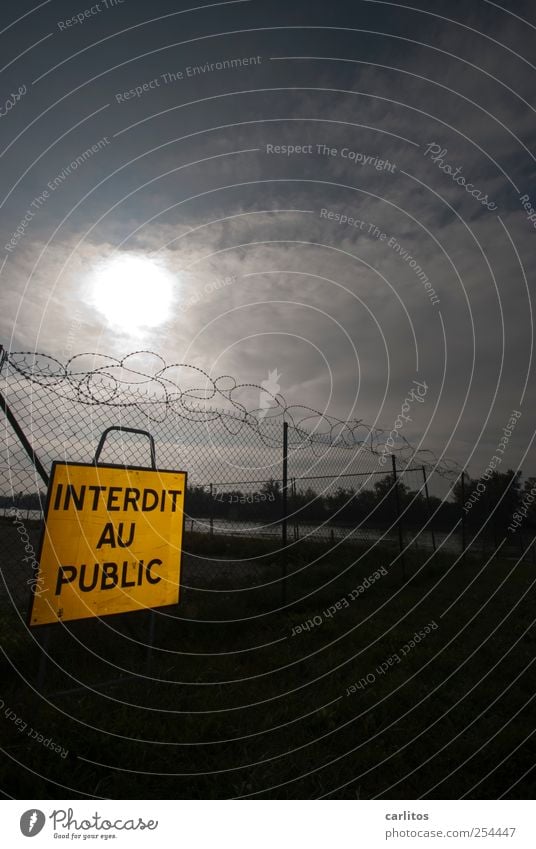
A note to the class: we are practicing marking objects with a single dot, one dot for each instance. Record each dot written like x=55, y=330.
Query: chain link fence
x=279, y=476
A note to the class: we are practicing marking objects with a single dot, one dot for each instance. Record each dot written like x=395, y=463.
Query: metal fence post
x=211, y=512
x=462, y=492
x=285, y=485
x=294, y=508
x=428, y=507
x=284, y=502
x=44, y=642
x=23, y=440
x=150, y=642
x=398, y=520
x=42, y=669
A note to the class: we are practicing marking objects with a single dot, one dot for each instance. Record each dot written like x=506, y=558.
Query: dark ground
x=231, y=704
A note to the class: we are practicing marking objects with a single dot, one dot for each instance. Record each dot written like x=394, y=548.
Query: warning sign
x=111, y=544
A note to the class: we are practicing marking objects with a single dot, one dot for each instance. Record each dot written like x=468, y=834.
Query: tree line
x=501, y=496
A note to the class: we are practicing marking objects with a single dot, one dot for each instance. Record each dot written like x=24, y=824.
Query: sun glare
x=133, y=292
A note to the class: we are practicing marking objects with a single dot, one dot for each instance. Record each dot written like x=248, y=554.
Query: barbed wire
x=160, y=389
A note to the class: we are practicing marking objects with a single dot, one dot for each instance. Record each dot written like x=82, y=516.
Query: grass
x=232, y=704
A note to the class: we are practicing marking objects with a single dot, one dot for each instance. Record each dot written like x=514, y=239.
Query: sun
x=133, y=292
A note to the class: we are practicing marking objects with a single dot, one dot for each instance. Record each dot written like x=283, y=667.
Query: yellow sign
x=111, y=544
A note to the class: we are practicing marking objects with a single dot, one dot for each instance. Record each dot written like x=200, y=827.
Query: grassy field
x=276, y=689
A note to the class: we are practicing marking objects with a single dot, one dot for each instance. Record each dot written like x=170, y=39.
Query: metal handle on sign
x=108, y=430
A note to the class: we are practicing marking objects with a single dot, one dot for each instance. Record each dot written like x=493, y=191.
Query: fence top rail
x=240, y=483
x=383, y=472
x=296, y=478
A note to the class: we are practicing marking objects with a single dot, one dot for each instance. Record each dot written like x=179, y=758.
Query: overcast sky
x=189, y=176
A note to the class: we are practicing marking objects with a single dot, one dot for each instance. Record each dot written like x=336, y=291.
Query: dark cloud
x=185, y=175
